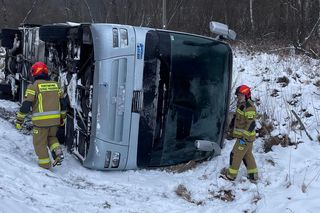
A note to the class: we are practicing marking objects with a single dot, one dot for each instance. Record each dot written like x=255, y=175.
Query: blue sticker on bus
x=139, y=51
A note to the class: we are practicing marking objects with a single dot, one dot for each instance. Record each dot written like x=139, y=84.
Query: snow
x=71, y=90
x=2, y=64
x=289, y=176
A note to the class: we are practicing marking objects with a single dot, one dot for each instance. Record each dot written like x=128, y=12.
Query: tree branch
x=307, y=52
x=66, y=9
x=175, y=11
x=313, y=29
x=87, y=5
x=314, y=53
x=302, y=125
x=4, y=9
x=292, y=7
x=280, y=49
x=29, y=12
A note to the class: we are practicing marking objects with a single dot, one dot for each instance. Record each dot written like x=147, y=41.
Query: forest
x=286, y=24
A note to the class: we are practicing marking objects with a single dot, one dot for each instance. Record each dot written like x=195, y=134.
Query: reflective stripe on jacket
x=45, y=97
x=244, y=126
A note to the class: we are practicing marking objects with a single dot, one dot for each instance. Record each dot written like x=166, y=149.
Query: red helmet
x=245, y=90
x=39, y=68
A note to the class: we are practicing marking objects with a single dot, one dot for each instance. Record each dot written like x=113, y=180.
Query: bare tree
x=251, y=18
x=30, y=11
x=4, y=10
x=288, y=22
x=318, y=16
x=89, y=10
x=174, y=10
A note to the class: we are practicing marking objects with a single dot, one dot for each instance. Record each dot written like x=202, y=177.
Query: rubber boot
x=58, y=156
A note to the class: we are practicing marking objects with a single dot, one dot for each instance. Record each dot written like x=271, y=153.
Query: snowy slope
x=289, y=176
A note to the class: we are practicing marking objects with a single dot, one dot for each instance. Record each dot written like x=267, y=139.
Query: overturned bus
x=137, y=97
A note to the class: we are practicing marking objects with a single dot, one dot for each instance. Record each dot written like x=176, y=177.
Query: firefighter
x=45, y=99
x=244, y=130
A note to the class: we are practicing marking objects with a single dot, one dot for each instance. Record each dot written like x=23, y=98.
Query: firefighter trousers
x=242, y=153
x=44, y=138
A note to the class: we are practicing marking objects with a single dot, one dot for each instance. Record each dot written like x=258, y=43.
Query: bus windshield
x=188, y=101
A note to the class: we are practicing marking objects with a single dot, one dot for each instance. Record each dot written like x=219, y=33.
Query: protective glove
x=18, y=125
x=242, y=142
x=62, y=121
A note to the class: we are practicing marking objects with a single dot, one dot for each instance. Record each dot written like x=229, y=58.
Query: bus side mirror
x=207, y=146
x=222, y=30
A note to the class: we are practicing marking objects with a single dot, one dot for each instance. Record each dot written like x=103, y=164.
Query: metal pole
x=164, y=10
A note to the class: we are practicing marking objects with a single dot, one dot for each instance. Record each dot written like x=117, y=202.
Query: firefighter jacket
x=244, y=123
x=45, y=98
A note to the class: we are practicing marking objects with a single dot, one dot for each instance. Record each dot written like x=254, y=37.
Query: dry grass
x=304, y=188
x=224, y=195
x=183, y=192
x=293, y=102
x=317, y=83
x=274, y=93
x=106, y=205
x=256, y=199
x=284, y=141
x=283, y=81
x=266, y=129
x=307, y=114
x=295, y=95
x=289, y=71
x=271, y=162
x=181, y=167
x=265, y=132
x=294, y=124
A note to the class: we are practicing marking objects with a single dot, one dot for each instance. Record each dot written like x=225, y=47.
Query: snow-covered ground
x=289, y=176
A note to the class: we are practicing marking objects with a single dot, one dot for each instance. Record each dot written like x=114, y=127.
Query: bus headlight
x=115, y=160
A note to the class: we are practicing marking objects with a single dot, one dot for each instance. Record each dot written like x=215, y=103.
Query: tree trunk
x=319, y=17
x=164, y=14
x=4, y=10
x=251, y=19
